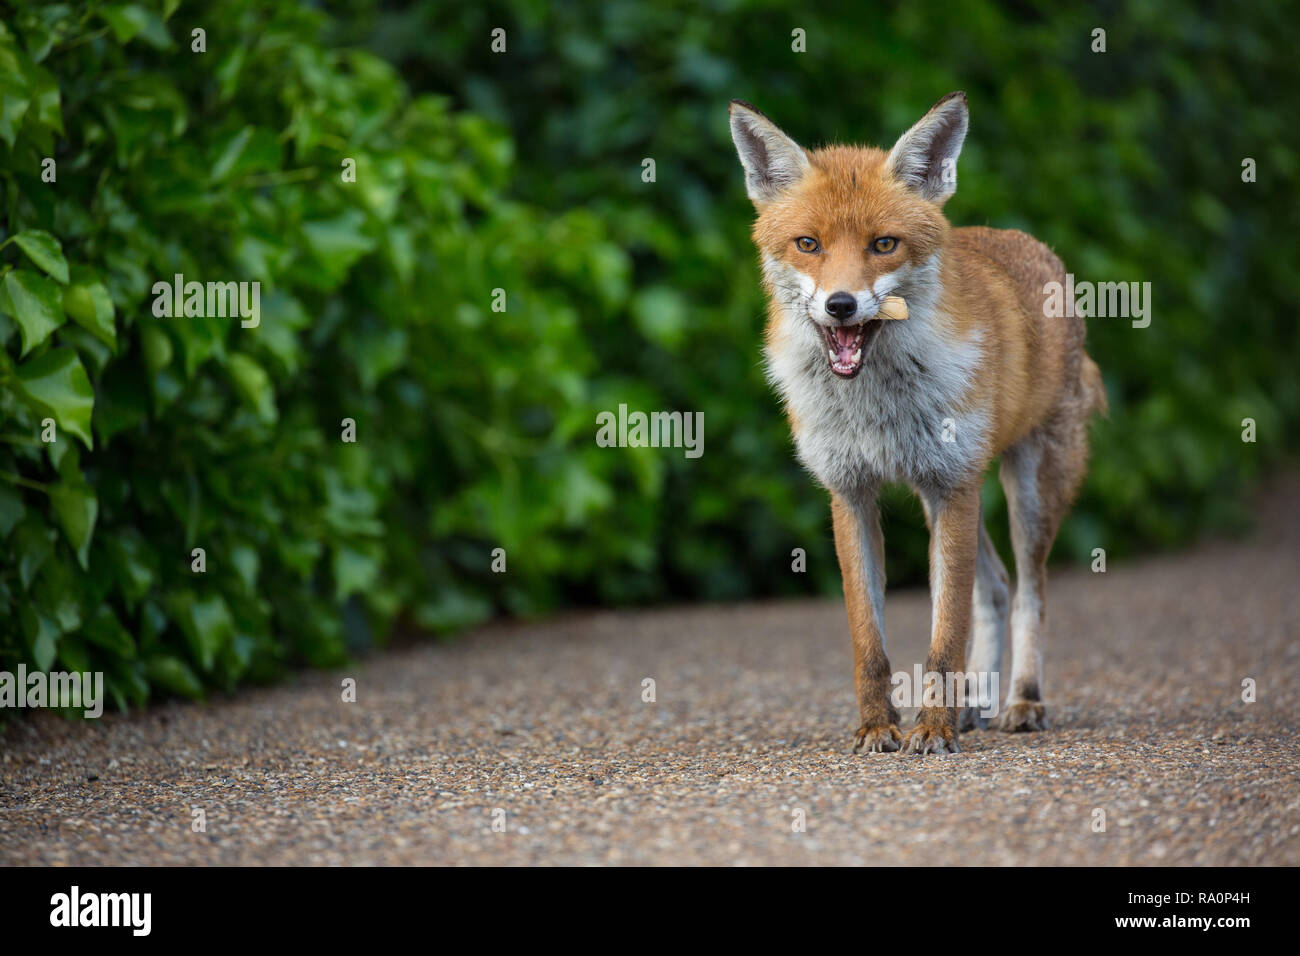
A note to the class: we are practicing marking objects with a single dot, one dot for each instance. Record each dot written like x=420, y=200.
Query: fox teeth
x=831, y=353
x=856, y=356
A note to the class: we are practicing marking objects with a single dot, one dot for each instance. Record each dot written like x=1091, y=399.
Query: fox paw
x=879, y=739
x=930, y=739
x=1023, y=716
x=970, y=718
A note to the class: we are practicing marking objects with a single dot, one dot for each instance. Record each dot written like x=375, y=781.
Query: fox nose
x=841, y=306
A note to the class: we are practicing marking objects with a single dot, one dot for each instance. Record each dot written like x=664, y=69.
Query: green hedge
x=522, y=171
x=473, y=428
x=1127, y=162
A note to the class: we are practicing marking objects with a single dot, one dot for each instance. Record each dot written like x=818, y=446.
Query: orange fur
x=1028, y=394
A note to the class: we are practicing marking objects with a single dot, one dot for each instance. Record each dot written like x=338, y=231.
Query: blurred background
x=522, y=171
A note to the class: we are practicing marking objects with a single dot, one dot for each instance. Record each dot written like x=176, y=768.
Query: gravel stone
x=540, y=728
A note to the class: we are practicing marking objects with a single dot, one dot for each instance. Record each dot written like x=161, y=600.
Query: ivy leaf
x=105, y=630
x=354, y=571
x=32, y=544
x=42, y=636
x=132, y=20
x=339, y=242
x=15, y=93
x=57, y=385
x=49, y=112
x=37, y=36
x=90, y=306
x=133, y=564
x=173, y=674
x=73, y=654
x=254, y=386
x=250, y=150
x=44, y=250
x=11, y=509
x=230, y=155
x=245, y=560
x=76, y=507
x=208, y=625
x=36, y=305
x=158, y=351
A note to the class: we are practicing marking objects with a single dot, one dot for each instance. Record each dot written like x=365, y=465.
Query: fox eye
x=885, y=244
x=807, y=244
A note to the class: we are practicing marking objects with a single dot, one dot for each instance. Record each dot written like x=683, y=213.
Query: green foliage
x=473, y=429
x=1128, y=163
x=521, y=172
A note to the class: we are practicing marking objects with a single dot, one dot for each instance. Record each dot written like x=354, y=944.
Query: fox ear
x=925, y=157
x=773, y=161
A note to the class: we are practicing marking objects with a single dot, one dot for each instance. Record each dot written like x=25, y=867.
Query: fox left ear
x=925, y=157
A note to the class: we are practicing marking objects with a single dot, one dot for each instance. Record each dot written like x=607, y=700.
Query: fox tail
x=1093, y=386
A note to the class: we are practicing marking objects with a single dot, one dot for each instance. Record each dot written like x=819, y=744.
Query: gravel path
x=753, y=720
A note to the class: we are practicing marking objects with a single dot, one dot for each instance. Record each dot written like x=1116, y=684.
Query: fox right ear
x=773, y=161
x=925, y=157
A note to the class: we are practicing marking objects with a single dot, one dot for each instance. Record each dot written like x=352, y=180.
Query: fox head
x=841, y=228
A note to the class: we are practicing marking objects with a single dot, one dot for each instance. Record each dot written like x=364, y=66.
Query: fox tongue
x=844, y=349
x=846, y=343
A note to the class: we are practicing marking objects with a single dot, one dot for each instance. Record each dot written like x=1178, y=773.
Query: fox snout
x=841, y=306
x=844, y=307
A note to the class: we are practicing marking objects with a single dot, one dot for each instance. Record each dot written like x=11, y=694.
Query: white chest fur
x=902, y=418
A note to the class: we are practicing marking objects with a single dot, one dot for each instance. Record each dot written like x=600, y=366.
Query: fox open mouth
x=845, y=345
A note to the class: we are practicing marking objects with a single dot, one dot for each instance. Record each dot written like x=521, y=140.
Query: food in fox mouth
x=892, y=307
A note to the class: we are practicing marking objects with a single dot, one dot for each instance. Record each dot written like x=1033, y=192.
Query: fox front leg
x=954, y=544
x=861, y=551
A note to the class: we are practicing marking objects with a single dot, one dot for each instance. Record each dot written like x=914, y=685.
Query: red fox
x=975, y=371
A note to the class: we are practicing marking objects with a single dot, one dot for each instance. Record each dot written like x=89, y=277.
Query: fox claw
x=878, y=739
x=927, y=739
x=1023, y=716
